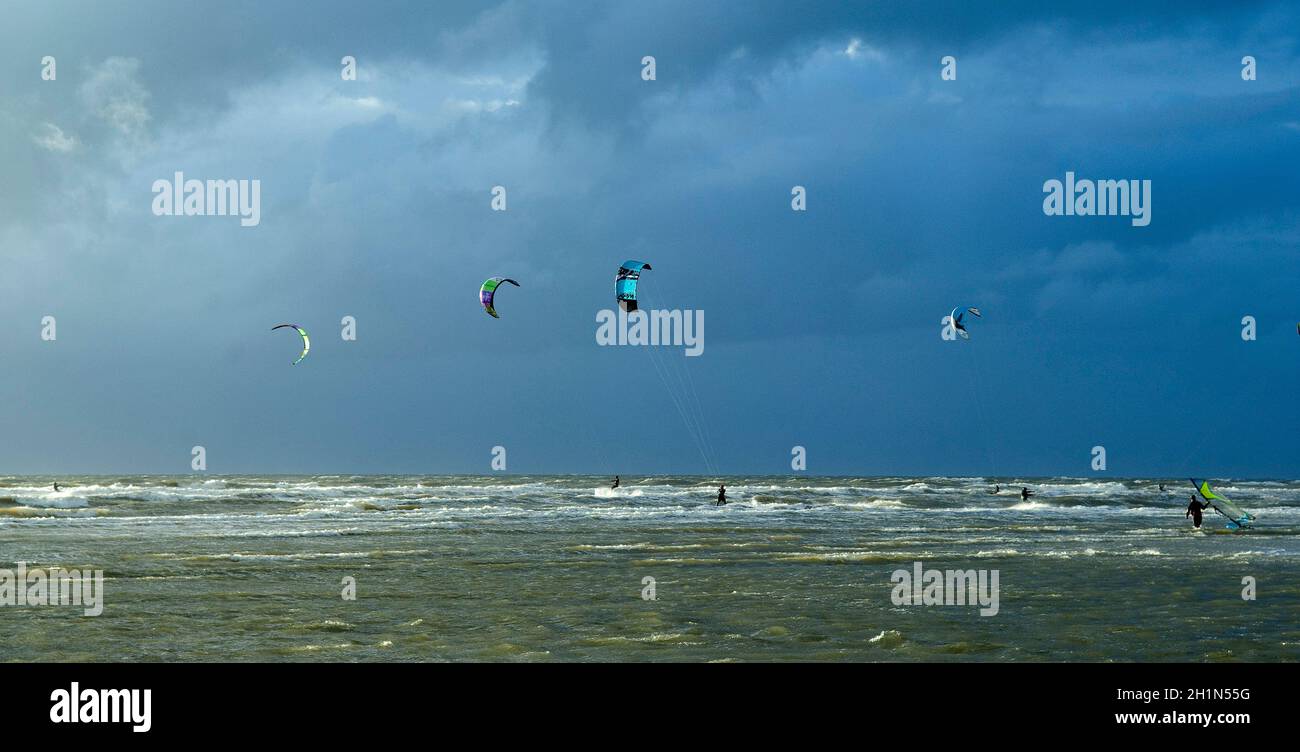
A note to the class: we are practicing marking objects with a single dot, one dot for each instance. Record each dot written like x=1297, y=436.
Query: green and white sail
x=306, y=342
x=1225, y=507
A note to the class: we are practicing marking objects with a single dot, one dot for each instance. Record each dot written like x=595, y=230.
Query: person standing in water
x=722, y=496
x=1194, y=510
x=1025, y=493
x=996, y=490
x=615, y=483
x=56, y=486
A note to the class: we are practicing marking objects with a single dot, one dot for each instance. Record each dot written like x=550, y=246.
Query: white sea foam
x=603, y=492
x=53, y=501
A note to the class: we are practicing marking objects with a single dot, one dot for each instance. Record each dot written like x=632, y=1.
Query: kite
x=625, y=284
x=489, y=291
x=956, y=319
x=306, y=343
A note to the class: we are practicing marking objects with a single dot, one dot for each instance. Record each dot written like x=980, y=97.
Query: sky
x=823, y=326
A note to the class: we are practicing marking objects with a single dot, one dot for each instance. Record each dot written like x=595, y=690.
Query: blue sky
x=822, y=326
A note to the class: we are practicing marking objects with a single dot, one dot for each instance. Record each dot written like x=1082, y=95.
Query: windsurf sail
x=1222, y=505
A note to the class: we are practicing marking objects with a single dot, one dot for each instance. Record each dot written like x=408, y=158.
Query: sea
x=347, y=568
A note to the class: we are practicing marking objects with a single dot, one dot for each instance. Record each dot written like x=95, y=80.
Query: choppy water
x=551, y=569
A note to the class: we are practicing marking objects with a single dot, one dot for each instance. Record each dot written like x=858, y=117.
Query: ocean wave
x=889, y=638
x=618, y=493
x=50, y=501
x=306, y=556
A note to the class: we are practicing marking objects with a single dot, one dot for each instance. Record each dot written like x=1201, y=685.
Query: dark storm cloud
x=822, y=326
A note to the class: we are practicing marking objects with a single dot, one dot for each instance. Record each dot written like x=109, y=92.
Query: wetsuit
x=1194, y=511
